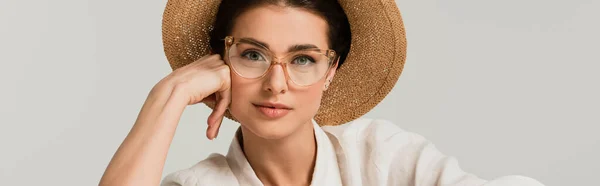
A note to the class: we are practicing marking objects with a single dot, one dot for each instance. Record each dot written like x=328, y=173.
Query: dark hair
x=338, y=32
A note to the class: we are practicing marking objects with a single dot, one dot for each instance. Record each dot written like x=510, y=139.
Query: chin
x=266, y=128
x=271, y=129
x=263, y=126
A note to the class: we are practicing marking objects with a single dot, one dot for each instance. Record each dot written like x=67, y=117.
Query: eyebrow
x=293, y=48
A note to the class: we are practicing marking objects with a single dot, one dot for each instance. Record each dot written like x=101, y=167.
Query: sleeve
x=173, y=179
x=412, y=160
x=434, y=168
x=190, y=176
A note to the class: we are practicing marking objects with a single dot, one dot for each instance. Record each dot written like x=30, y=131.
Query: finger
x=211, y=119
x=213, y=60
x=226, y=100
x=216, y=117
x=210, y=100
x=207, y=57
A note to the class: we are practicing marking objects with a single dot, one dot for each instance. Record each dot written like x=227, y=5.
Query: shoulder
x=213, y=170
x=380, y=150
x=378, y=145
x=374, y=132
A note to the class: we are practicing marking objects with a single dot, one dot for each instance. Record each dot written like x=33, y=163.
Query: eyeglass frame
x=230, y=41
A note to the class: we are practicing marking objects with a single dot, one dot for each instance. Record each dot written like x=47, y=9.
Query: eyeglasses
x=303, y=65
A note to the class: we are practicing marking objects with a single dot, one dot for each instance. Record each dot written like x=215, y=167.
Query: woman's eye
x=253, y=55
x=303, y=60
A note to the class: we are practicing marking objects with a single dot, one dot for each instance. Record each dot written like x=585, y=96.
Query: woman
x=272, y=69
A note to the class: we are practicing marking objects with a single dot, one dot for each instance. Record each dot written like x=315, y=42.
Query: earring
x=327, y=85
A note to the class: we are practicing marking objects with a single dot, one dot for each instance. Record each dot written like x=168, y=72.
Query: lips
x=273, y=105
x=272, y=110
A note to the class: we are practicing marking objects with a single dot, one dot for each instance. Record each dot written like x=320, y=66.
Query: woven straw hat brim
x=372, y=68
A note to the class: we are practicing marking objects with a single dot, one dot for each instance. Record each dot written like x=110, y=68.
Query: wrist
x=165, y=91
x=164, y=85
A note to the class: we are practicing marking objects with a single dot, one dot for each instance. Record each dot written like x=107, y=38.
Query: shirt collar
x=326, y=170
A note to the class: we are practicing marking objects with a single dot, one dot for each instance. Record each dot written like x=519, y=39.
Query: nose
x=275, y=81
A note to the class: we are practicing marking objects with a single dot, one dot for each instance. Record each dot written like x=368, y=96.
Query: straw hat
x=370, y=71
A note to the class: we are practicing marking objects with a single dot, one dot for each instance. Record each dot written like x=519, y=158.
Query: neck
x=286, y=161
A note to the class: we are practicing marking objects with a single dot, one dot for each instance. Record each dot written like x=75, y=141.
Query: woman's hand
x=205, y=80
x=141, y=157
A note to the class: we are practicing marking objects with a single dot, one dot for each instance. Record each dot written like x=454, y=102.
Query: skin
x=281, y=151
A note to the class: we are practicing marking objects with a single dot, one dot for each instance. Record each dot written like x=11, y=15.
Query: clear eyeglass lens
x=304, y=67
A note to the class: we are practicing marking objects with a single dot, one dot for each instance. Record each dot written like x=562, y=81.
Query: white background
x=507, y=87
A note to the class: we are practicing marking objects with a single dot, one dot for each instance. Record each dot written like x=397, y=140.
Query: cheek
x=309, y=99
x=241, y=92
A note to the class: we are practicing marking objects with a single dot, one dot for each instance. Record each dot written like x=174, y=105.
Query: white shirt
x=362, y=152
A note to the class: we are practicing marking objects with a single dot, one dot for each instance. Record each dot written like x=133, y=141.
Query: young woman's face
x=280, y=28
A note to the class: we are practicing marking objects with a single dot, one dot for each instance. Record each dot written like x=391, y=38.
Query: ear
x=330, y=74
